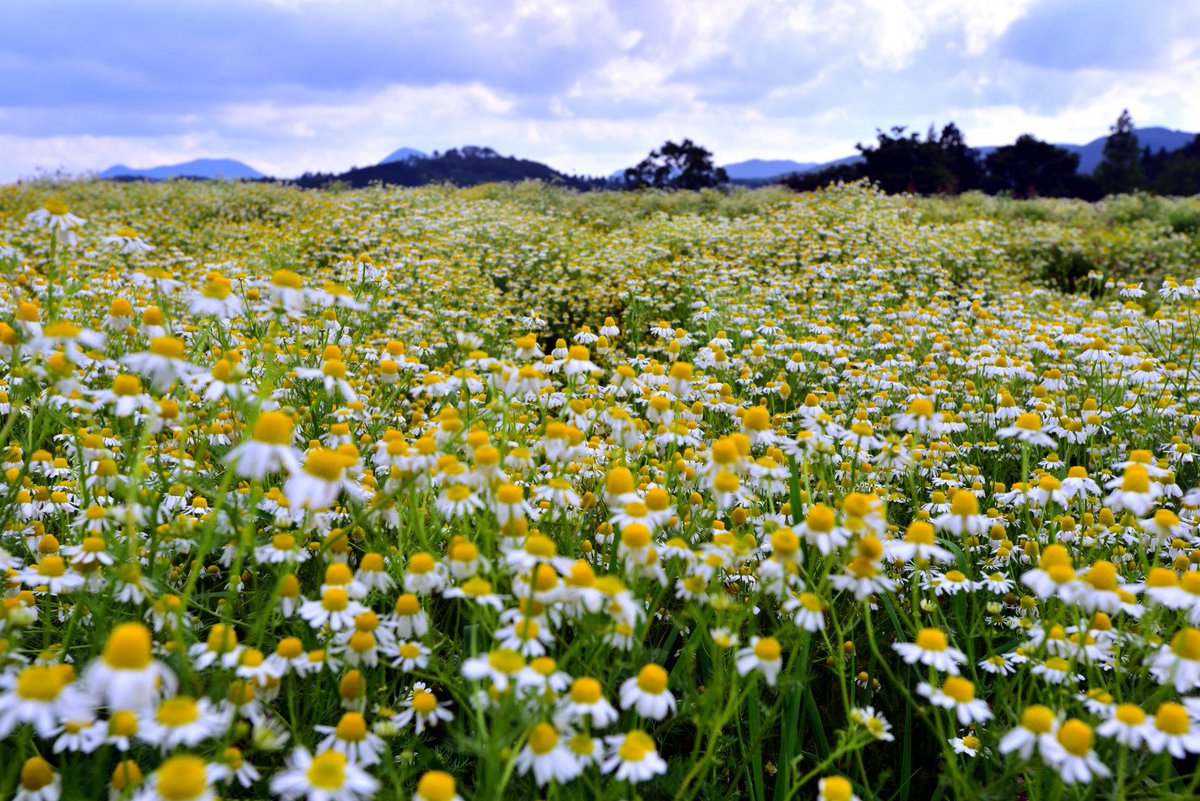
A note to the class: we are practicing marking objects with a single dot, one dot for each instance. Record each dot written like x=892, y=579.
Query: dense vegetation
x=517, y=492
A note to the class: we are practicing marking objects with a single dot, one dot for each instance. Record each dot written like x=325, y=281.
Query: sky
x=586, y=86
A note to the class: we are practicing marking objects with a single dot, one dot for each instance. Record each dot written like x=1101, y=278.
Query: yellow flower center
x=407, y=605
x=40, y=683
x=635, y=536
x=178, y=711
x=635, y=747
x=931, y=640
x=785, y=542
x=1076, y=737
x=652, y=679
x=128, y=647
x=36, y=773
x=273, y=428
x=335, y=599
x=1186, y=644
x=1102, y=576
x=325, y=464
x=1136, y=479
x=1130, y=714
x=820, y=518
x=960, y=689
x=181, y=778
x=436, y=785
x=543, y=738
x=1038, y=719
x=836, y=788
x=352, y=727
x=168, y=347
x=1029, y=422
x=327, y=771
x=423, y=703
x=506, y=661
x=287, y=279
x=51, y=566
x=767, y=649
x=1172, y=718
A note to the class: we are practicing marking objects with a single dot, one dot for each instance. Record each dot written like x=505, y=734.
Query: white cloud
x=586, y=86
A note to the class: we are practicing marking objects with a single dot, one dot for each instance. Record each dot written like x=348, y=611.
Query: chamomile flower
x=422, y=709
x=327, y=776
x=586, y=699
x=269, y=448
x=874, y=722
x=183, y=720
x=931, y=648
x=1128, y=725
x=764, y=654
x=957, y=694
x=1070, y=752
x=183, y=777
x=39, y=695
x=547, y=756
x=836, y=788
x=352, y=737
x=126, y=675
x=164, y=363
x=436, y=785
x=316, y=486
x=647, y=693
x=1038, y=726
x=633, y=757
x=1178, y=663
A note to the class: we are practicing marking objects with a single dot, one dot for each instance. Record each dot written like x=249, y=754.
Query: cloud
x=1070, y=35
x=588, y=86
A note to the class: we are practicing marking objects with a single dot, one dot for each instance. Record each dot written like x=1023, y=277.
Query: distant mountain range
x=227, y=169
x=466, y=166
x=404, y=154
x=472, y=165
x=1090, y=155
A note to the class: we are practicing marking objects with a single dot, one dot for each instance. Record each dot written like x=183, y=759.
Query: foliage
x=685, y=165
x=1120, y=171
x=821, y=495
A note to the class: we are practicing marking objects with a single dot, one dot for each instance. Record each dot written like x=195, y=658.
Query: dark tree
x=1174, y=173
x=676, y=166
x=833, y=174
x=962, y=161
x=904, y=163
x=1031, y=167
x=1121, y=168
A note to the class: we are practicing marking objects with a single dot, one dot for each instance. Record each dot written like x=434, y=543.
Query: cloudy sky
x=587, y=86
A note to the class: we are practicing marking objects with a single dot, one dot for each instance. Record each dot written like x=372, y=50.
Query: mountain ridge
x=1090, y=154
x=411, y=167
x=211, y=168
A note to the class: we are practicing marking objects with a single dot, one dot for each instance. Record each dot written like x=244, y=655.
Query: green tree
x=1031, y=167
x=1121, y=168
x=685, y=165
x=901, y=162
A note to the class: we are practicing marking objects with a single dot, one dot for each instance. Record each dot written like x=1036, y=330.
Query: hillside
x=467, y=166
x=226, y=169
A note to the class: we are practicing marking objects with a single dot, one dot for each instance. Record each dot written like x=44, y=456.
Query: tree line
x=942, y=163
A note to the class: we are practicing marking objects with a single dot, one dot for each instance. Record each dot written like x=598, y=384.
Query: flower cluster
x=320, y=499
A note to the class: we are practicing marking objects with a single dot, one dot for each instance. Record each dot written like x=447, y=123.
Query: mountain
x=467, y=166
x=227, y=169
x=758, y=169
x=1155, y=138
x=404, y=154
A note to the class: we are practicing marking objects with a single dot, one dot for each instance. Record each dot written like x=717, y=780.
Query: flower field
x=513, y=493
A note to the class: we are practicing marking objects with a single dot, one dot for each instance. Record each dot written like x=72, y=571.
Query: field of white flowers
x=508, y=493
